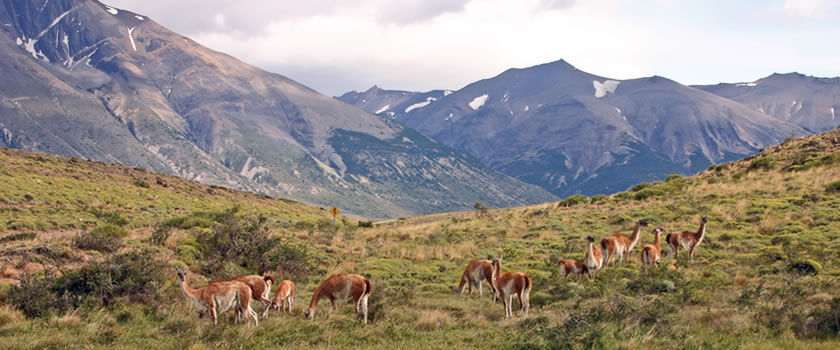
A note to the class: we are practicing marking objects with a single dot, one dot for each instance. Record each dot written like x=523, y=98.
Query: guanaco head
x=704, y=220
x=182, y=275
x=658, y=230
x=642, y=222
x=269, y=279
x=590, y=239
x=309, y=314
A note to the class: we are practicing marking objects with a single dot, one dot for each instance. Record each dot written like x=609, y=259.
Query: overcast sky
x=340, y=45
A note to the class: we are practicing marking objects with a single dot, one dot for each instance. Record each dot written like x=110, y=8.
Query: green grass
x=766, y=277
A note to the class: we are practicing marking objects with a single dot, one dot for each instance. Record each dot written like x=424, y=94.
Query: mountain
x=570, y=131
x=83, y=79
x=394, y=104
x=810, y=102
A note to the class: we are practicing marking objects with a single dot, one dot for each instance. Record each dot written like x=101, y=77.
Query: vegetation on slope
x=765, y=277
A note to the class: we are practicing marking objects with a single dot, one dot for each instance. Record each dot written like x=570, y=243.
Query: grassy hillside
x=766, y=276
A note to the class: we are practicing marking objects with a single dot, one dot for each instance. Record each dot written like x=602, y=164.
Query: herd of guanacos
x=236, y=294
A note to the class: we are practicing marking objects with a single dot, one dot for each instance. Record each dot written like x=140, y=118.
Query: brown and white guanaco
x=572, y=267
x=284, y=299
x=619, y=244
x=688, y=240
x=341, y=287
x=218, y=297
x=260, y=287
x=651, y=253
x=593, y=259
x=509, y=284
x=476, y=272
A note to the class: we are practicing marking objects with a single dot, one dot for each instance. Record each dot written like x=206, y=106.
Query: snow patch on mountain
x=383, y=109
x=607, y=87
x=419, y=105
x=478, y=102
x=112, y=10
x=131, y=38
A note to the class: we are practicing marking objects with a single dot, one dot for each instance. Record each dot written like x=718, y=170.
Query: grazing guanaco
x=593, y=260
x=284, y=299
x=343, y=286
x=572, y=267
x=475, y=272
x=687, y=240
x=619, y=244
x=218, y=297
x=509, y=284
x=651, y=253
x=260, y=287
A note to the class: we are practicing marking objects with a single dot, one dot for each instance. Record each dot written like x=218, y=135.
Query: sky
x=336, y=46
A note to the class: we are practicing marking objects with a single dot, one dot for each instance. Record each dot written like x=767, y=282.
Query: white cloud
x=335, y=45
x=806, y=8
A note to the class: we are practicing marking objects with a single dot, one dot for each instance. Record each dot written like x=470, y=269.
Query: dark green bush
x=833, y=187
x=764, y=163
x=110, y=217
x=22, y=236
x=134, y=275
x=805, y=267
x=106, y=238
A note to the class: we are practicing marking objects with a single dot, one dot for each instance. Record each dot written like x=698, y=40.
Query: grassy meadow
x=88, y=255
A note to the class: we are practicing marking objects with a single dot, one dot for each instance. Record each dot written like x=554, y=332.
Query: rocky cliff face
x=570, y=131
x=84, y=79
x=810, y=102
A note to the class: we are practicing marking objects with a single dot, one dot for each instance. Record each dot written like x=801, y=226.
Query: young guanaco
x=619, y=244
x=218, y=297
x=509, y=284
x=651, y=253
x=284, y=299
x=687, y=240
x=572, y=267
x=341, y=287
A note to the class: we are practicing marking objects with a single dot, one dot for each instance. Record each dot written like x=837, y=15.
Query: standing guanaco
x=619, y=244
x=284, y=299
x=651, y=253
x=218, y=297
x=476, y=272
x=509, y=284
x=687, y=240
x=343, y=286
x=593, y=260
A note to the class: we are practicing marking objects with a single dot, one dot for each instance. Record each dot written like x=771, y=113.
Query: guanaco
x=509, y=284
x=260, y=287
x=651, y=253
x=475, y=272
x=572, y=267
x=687, y=240
x=284, y=299
x=593, y=260
x=218, y=297
x=619, y=244
x=343, y=286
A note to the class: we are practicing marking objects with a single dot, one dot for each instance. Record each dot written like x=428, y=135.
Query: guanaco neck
x=315, y=298
x=657, y=241
x=189, y=292
x=634, y=239
x=701, y=232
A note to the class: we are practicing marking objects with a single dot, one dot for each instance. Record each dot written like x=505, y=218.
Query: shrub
x=833, y=187
x=764, y=163
x=107, y=239
x=135, y=275
x=23, y=236
x=367, y=224
x=573, y=200
x=112, y=218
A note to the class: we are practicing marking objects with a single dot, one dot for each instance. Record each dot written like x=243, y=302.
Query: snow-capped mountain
x=394, y=104
x=570, y=131
x=84, y=79
x=810, y=102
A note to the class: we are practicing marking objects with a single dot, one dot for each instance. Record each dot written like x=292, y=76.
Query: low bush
x=805, y=267
x=106, y=238
x=134, y=275
x=833, y=187
x=573, y=200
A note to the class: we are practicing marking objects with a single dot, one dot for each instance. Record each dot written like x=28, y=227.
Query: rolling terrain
x=764, y=278
x=86, y=80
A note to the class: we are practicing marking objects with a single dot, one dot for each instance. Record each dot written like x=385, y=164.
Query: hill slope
x=810, y=102
x=570, y=131
x=764, y=278
x=82, y=79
